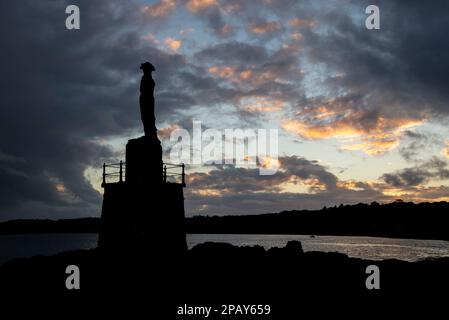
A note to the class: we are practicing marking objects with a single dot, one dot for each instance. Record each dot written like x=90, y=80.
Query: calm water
x=14, y=246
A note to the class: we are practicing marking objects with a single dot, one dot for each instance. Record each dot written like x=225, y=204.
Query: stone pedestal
x=143, y=215
x=147, y=221
x=144, y=161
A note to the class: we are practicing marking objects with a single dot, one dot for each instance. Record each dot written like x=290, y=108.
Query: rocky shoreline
x=213, y=263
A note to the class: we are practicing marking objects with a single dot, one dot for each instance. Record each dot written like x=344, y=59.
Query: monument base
x=143, y=220
x=143, y=215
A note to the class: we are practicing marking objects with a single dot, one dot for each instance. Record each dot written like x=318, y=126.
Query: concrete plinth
x=143, y=215
x=143, y=161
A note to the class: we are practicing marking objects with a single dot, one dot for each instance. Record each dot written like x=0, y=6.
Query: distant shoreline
x=395, y=220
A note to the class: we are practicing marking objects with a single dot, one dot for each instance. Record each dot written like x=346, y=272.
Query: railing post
x=165, y=173
x=104, y=173
x=183, y=176
x=121, y=171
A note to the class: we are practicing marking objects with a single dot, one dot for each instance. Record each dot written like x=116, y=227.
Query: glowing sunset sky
x=362, y=114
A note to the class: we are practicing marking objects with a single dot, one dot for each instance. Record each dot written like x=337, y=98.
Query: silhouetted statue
x=144, y=208
x=147, y=100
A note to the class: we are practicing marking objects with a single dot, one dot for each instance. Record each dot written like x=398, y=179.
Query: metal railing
x=115, y=171
x=170, y=171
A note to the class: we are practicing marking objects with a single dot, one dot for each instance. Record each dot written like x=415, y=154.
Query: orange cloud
x=297, y=22
x=325, y=123
x=445, y=151
x=165, y=133
x=231, y=73
x=266, y=27
x=161, y=8
x=321, y=131
x=418, y=194
x=173, y=44
x=315, y=185
x=374, y=147
x=269, y=162
x=246, y=75
x=60, y=187
x=350, y=185
x=208, y=192
x=223, y=72
x=198, y=5
x=310, y=185
x=261, y=104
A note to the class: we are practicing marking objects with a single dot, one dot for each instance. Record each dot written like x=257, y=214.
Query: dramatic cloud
x=160, y=9
x=264, y=27
x=300, y=183
x=66, y=93
x=342, y=118
x=298, y=22
x=261, y=104
x=355, y=99
x=173, y=44
x=436, y=169
x=418, y=145
x=231, y=179
x=253, y=71
x=390, y=68
x=445, y=150
x=223, y=72
x=197, y=5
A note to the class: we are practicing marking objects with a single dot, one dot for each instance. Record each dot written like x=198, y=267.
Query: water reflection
x=358, y=247
x=15, y=246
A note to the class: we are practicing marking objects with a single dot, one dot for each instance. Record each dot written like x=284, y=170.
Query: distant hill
x=396, y=220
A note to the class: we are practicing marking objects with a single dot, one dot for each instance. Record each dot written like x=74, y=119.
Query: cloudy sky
x=362, y=114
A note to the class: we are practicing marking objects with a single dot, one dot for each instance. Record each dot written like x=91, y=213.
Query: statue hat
x=147, y=66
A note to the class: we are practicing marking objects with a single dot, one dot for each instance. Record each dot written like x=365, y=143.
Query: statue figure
x=147, y=100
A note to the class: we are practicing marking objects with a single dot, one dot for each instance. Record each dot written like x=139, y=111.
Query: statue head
x=147, y=67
